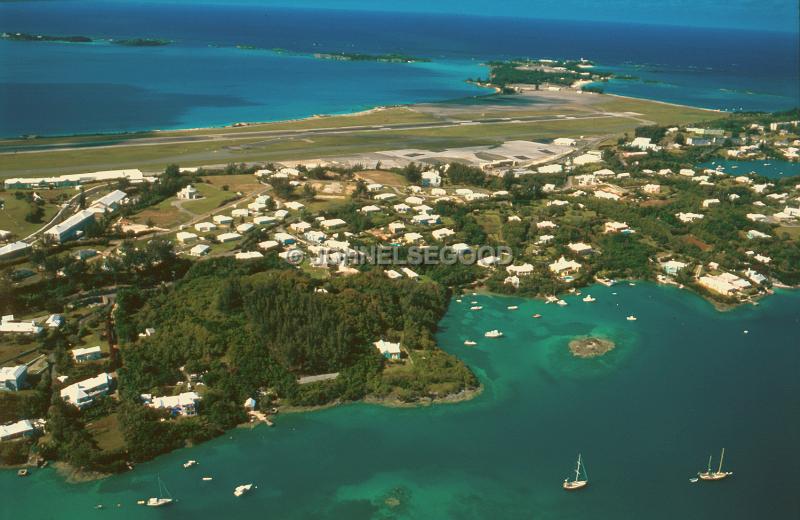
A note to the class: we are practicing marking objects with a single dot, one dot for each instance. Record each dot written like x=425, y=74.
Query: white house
x=267, y=245
x=205, y=227
x=688, y=217
x=228, y=237
x=200, y=250
x=332, y=223
x=401, y=208
x=396, y=227
x=244, y=227
x=23, y=428
x=240, y=213
x=83, y=393
x=410, y=238
x=182, y=404
x=726, y=284
x=222, y=220
x=300, y=227
x=9, y=325
x=673, y=266
x=431, y=178
x=189, y=192
x=580, y=248
x=387, y=349
x=248, y=255
x=285, y=238
x=550, y=168
x=652, y=189
x=370, y=209
x=81, y=355
x=184, y=237
x=520, y=270
x=615, y=227
x=564, y=266
x=13, y=378
x=442, y=233
x=294, y=205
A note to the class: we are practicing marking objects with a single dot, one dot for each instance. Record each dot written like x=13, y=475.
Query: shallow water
x=683, y=382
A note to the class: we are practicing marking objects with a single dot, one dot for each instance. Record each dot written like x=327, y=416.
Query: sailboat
x=715, y=475
x=577, y=483
x=161, y=500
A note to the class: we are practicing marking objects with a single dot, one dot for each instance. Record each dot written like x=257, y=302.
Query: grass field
x=107, y=433
x=12, y=216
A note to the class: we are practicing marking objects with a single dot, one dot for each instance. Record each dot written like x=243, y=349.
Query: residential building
x=184, y=404
x=81, y=355
x=12, y=326
x=83, y=393
x=387, y=349
x=12, y=379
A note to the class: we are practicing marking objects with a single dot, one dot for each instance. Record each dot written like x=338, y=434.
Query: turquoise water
x=683, y=382
x=201, y=80
x=772, y=168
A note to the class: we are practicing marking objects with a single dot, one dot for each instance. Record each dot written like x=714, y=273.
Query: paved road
x=305, y=133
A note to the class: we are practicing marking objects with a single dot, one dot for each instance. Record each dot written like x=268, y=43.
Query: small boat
x=206, y=479
x=458, y=300
x=562, y=303
x=473, y=302
x=493, y=334
x=243, y=489
x=578, y=482
x=715, y=475
x=141, y=502
x=631, y=318
x=476, y=308
x=537, y=316
x=23, y=473
x=513, y=307
x=589, y=298
x=99, y=506
x=631, y=284
x=470, y=343
x=161, y=500
x=189, y=463
x=551, y=299
x=693, y=480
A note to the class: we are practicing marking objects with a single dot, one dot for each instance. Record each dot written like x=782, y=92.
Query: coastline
x=315, y=117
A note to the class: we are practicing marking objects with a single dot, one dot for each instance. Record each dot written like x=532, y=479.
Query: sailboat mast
x=709, y=463
x=578, y=469
x=722, y=456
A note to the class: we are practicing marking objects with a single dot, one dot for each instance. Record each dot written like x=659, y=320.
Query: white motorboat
x=589, y=298
x=493, y=334
x=189, y=463
x=243, y=489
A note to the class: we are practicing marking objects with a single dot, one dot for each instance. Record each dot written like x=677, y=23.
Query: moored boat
x=161, y=500
x=589, y=298
x=243, y=489
x=476, y=308
x=580, y=480
x=513, y=307
x=715, y=475
x=189, y=463
x=631, y=318
x=470, y=343
x=493, y=334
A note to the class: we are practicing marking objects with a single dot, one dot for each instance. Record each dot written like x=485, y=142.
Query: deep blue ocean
x=202, y=80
